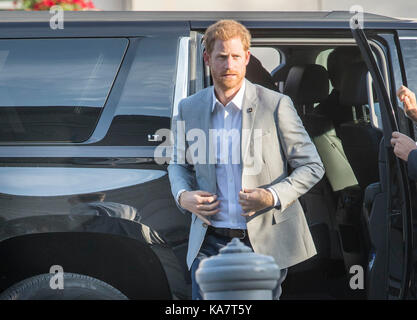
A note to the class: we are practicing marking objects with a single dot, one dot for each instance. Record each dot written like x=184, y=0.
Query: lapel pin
x=249, y=110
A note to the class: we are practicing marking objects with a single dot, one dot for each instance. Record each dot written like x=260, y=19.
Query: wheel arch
x=127, y=264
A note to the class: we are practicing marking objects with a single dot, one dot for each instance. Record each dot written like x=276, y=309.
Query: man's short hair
x=226, y=30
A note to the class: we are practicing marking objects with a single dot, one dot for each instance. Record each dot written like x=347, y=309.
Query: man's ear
x=247, y=57
x=206, y=58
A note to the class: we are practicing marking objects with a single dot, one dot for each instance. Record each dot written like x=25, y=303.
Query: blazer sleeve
x=412, y=165
x=181, y=174
x=300, y=153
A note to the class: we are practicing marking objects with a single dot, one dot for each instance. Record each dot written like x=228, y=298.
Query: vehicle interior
x=329, y=87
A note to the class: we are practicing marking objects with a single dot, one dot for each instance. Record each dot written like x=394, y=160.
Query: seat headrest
x=256, y=73
x=307, y=84
x=353, y=91
x=338, y=60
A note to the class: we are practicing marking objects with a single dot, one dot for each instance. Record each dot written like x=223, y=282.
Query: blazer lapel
x=204, y=112
x=249, y=108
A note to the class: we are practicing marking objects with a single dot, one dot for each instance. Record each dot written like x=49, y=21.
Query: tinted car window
x=409, y=51
x=145, y=104
x=54, y=89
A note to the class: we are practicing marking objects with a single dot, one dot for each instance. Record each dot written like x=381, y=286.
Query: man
x=251, y=197
x=404, y=147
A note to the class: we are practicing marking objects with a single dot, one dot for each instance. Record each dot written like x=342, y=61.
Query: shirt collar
x=237, y=99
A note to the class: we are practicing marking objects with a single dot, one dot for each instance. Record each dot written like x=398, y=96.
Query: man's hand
x=408, y=97
x=252, y=200
x=201, y=203
x=402, y=145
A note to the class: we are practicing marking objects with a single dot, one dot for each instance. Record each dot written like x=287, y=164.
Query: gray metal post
x=237, y=273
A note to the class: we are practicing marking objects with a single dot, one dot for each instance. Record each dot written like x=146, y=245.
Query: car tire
x=75, y=287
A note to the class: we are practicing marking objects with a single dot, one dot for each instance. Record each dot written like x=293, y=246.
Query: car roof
x=202, y=19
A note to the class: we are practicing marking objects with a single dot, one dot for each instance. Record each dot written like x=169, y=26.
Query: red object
x=75, y=4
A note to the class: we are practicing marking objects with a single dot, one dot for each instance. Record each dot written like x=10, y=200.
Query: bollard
x=237, y=273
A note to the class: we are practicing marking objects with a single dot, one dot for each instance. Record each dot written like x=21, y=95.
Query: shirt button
x=205, y=225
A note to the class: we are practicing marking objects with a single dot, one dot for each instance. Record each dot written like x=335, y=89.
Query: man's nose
x=229, y=62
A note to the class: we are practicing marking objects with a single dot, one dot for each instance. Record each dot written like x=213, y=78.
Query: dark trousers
x=211, y=247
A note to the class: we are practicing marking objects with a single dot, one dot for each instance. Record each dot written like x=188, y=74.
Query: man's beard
x=226, y=84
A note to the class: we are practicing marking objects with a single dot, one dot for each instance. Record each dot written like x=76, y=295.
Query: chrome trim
x=62, y=181
x=76, y=151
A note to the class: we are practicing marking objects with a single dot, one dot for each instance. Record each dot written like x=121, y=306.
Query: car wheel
x=75, y=287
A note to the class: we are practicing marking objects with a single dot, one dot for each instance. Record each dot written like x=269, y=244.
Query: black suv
x=83, y=191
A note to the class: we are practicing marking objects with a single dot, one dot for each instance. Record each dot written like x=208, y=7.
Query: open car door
x=387, y=207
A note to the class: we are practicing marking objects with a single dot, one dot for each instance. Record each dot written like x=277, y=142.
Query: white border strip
x=181, y=82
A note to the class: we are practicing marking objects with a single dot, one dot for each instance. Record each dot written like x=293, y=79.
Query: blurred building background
x=398, y=8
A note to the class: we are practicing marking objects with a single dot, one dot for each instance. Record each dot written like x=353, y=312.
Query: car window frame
x=382, y=87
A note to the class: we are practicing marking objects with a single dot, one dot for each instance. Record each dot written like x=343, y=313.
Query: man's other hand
x=202, y=203
x=252, y=200
x=402, y=145
x=408, y=97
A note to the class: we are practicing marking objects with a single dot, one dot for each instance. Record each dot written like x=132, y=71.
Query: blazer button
x=205, y=225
